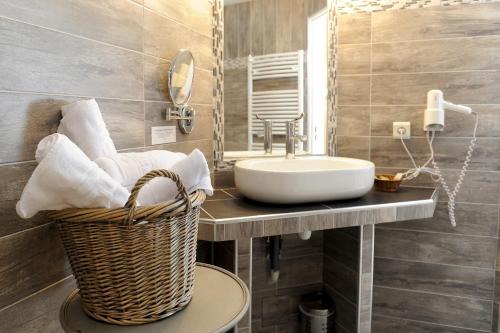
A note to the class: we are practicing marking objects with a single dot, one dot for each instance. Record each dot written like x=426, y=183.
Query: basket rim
x=169, y=208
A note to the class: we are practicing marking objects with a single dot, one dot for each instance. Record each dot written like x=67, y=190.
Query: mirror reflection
x=180, y=78
x=275, y=70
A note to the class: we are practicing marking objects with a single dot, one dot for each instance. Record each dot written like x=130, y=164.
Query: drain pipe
x=305, y=235
x=274, y=248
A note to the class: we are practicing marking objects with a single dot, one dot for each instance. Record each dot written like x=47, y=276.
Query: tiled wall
x=54, y=52
x=275, y=305
x=429, y=277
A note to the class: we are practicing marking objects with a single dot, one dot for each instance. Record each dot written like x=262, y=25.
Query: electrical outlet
x=401, y=129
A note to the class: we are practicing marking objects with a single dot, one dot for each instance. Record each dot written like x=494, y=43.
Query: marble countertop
x=229, y=216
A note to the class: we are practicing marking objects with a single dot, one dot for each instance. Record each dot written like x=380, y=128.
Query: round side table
x=220, y=300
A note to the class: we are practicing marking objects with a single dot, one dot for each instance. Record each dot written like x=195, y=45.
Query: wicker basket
x=130, y=272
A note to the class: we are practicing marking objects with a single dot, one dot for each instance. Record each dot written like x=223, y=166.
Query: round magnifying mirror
x=180, y=77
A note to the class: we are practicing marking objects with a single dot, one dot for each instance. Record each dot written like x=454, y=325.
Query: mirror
x=275, y=67
x=180, y=84
x=180, y=78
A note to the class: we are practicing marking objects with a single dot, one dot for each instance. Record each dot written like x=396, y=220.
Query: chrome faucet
x=268, y=135
x=291, y=137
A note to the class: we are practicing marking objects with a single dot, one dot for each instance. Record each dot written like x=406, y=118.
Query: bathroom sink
x=304, y=179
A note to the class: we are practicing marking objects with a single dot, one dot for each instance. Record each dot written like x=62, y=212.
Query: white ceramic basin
x=306, y=179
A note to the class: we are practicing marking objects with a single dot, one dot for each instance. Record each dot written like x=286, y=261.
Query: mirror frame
x=171, y=71
x=218, y=80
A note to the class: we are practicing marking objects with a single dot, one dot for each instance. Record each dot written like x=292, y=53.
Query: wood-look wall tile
x=433, y=308
x=13, y=177
x=299, y=25
x=472, y=220
x=12, y=223
x=346, y=312
x=39, y=312
x=435, y=278
x=293, y=246
x=195, y=14
x=37, y=116
x=60, y=63
x=283, y=26
x=457, y=124
x=460, y=87
x=354, y=90
x=244, y=30
x=300, y=271
x=231, y=31
x=355, y=147
x=436, y=22
x=117, y=22
x=341, y=278
x=436, y=55
x=353, y=59
x=30, y=260
x=382, y=324
x=342, y=247
x=164, y=38
x=449, y=152
x=470, y=251
x=269, y=17
x=125, y=122
x=186, y=147
x=155, y=116
x=353, y=121
x=355, y=28
x=257, y=24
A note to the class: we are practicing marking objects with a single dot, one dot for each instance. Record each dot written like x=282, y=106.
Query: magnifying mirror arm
x=184, y=115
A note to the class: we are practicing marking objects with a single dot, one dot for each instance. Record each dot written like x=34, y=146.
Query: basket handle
x=132, y=200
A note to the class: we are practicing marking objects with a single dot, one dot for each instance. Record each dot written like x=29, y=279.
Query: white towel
x=82, y=123
x=65, y=177
x=127, y=168
x=194, y=173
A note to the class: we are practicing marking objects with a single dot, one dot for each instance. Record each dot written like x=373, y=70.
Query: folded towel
x=82, y=123
x=127, y=168
x=194, y=173
x=65, y=177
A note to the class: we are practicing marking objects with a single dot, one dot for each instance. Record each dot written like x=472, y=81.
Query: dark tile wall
x=54, y=52
x=275, y=305
x=428, y=276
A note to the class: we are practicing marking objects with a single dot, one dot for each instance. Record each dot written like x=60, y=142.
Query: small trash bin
x=317, y=314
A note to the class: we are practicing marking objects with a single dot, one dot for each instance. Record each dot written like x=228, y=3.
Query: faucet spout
x=291, y=137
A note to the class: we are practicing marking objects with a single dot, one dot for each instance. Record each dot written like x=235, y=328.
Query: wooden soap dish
x=387, y=183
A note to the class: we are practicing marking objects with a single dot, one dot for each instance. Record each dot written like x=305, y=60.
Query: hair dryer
x=434, y=113
x=434, y=122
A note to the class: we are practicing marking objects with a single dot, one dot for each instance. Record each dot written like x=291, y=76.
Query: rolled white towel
x=83, y=124
x=194, y=173
x=127, y=168
x=65, y=177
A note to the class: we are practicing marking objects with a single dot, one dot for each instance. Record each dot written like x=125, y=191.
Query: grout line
x=428, y=322
x=433, y=293
x=36, y=293
x=25, y=230
x=232, y=197
x=341, y=295
x=434, y=263
x=27, y=92
x=176, y=21
x=338, y=263
x=210, y=215
x=99, y=41
x=433, y=232
x=423, y=72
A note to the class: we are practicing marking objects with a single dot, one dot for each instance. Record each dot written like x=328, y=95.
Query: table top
x=220, y=300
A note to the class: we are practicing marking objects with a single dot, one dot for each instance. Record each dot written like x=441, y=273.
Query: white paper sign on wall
x=163, y=134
